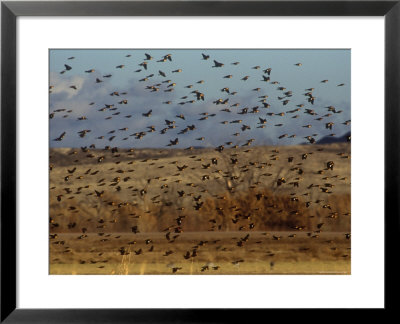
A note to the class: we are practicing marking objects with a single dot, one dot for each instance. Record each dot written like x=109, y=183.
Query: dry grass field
x=247, y=210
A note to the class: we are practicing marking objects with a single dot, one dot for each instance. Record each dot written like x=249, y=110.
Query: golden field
x=249, y=210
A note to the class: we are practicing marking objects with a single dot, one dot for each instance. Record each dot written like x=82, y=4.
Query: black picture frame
x=10, y=10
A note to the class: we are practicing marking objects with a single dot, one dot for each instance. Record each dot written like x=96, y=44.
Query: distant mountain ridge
x=332, y=139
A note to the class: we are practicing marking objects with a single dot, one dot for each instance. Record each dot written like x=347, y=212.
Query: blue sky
x=90, y=97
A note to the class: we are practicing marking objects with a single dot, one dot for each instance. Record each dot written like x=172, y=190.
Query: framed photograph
x=184, y=161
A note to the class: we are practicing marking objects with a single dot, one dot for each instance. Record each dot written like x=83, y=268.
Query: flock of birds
x=91, y=142
x=119, y=107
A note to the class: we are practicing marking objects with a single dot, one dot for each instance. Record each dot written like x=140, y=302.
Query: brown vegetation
x=102, y=206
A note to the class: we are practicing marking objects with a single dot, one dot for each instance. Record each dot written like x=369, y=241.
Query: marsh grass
x=288, y=254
